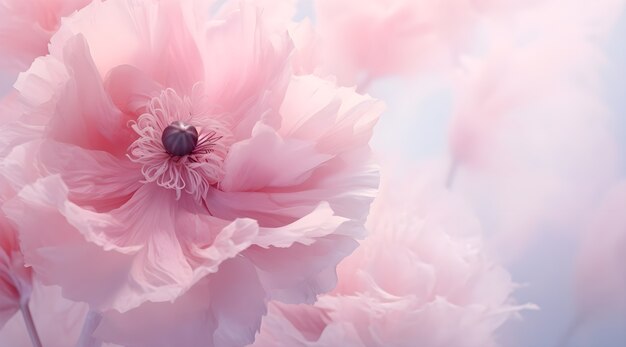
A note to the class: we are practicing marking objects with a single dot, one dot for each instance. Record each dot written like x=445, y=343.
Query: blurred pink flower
x=15, y=278
x=420, y=278
x=262, y=207
x=536, y=155
x=26, y=27
x=363, y=40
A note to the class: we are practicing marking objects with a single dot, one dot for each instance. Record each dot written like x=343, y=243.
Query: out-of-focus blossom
x=262, y=189
x=26, y=27
x=420, y=278
x=15, y=278
x=363, y=40
x=384, y=37
x=535, y=154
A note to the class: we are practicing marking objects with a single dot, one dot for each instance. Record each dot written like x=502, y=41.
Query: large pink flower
x=168, y=154
x=420, y=279
x=26, y=27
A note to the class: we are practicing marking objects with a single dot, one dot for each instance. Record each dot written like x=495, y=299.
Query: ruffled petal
x=35, y=21
x=227, y=317
x=131, y=89
x=137, y=257
x=267, y=161
x=347, y=182
x=321, y=222
x=241, y=64
x=52, y=244
x=178, y=63
x=85, y=115
x=337, y=119
x=313, y=273
x=94, y=178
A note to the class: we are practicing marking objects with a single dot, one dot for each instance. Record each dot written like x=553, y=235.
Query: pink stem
x=365, y=84
x=30, y=324
x=92, y=320
x=452, y=172
x=572, y=328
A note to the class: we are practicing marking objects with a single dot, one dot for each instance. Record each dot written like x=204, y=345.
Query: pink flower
x=420, y=278
x=26, y=27
x=258, y=188
x=15, y=278
x=361, y=41
x=526, y=150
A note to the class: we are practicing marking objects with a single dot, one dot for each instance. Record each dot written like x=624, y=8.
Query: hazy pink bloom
x=26, y=27
x=526, y=150
x=15, y=278
x=420, y=278
x=363, y=40
x=262, y=207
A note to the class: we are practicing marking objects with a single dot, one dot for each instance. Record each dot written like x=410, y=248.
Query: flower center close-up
x=178, y=147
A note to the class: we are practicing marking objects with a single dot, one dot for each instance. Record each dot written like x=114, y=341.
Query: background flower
x=421, y=271
x=15, y=278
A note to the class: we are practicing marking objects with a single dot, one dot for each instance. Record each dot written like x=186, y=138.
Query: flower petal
x=268, y=161
x=223, y=309
x=85, y=115
x=337, y=119
x=314, y=272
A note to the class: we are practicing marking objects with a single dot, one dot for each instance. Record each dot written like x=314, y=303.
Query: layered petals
x=266, y=202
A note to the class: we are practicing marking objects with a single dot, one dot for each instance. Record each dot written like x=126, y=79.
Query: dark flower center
x=179, y=138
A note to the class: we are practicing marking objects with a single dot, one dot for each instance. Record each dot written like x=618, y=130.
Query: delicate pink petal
x=354, y=178
x=243, y=64
x=35, y=21
x=86, y=115
x=228, y=317
x=267, y=161
x=94, y=178
x=64, y=244
x=291, y=282
x=130, y=88
x=148, y=264
x=321, y=222
x=315, y=110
